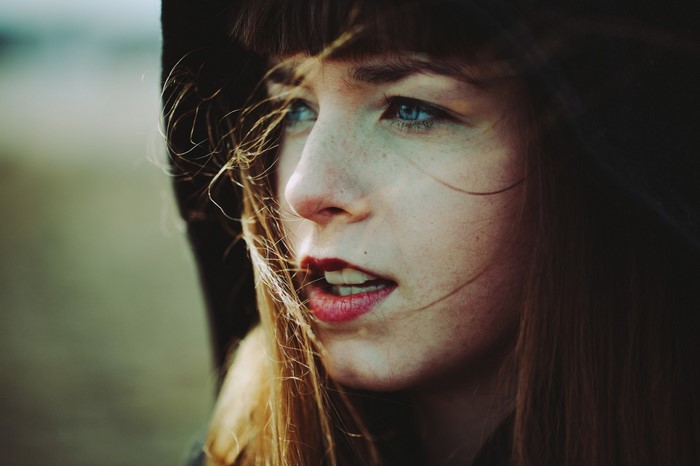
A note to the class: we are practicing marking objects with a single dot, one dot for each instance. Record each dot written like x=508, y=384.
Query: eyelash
x=393, y=106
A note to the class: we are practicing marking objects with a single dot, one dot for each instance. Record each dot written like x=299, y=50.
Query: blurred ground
x=103, y=351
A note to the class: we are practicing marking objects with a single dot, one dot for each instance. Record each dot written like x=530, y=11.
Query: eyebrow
x=284, y=74
x=390, y=71
x=393, y=71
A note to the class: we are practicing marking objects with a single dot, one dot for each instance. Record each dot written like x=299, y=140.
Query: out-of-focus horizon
x=103, y=347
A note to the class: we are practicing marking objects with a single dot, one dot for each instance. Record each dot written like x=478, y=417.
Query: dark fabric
x=198, y=55
x=625, y=78
x=498, y=449
x=197, y=456
x=495, y=452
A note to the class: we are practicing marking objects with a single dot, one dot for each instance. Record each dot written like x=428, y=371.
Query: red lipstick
x=344, y=300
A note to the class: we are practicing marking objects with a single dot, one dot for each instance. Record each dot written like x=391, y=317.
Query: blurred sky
x=103, y=342
x=97, y=18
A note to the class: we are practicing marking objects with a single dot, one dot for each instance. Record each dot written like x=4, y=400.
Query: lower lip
x=328, y=307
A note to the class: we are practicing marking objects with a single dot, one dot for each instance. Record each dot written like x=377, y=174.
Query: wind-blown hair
x=607, y=352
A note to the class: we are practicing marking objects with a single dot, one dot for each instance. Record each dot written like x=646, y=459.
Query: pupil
x=298, y=112
x=408, y=112
x=295, y=112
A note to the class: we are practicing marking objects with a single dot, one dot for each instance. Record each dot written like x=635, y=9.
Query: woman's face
x=399, y=184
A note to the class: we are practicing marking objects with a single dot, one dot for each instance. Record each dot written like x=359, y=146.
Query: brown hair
x=607, y=348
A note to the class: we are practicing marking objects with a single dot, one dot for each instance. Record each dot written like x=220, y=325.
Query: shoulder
x=498, y=448
x=238, y=418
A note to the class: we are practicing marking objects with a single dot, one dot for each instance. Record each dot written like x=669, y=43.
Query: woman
x=473, y=228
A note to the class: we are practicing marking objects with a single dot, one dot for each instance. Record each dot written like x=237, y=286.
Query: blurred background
x=103, y=343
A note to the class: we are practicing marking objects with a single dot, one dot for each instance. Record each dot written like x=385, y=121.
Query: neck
x=454, y=420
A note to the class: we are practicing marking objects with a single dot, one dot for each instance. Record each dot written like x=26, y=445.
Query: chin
x=376, y=376
x=369, y=382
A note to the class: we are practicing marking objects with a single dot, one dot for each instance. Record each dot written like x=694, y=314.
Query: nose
x=323, y=177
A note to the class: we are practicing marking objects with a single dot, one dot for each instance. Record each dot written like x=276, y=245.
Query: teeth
x=347, y=276
x=349, y=290
x=347, y=281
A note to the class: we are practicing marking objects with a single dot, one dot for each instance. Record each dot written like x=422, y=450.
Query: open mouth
x=347, y=281
x=339, y=292
x=338, y=278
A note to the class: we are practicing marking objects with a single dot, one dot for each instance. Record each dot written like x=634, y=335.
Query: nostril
x=332, y=211
x=326, y=214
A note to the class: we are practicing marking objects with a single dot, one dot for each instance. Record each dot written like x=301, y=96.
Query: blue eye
x=298, y=111
x=411, y=114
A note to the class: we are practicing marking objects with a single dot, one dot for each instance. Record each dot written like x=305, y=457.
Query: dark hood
x=626, y=79
x=198, y=52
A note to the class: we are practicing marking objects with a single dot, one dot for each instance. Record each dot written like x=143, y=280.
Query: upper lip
x=315, y=267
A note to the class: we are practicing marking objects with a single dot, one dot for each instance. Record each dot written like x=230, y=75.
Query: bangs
x=356, y=28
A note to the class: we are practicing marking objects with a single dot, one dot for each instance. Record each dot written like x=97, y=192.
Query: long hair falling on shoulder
x=608, y=349
x=607, y=353
x=288, y=411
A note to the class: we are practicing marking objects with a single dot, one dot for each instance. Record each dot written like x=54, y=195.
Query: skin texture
x=416, y=192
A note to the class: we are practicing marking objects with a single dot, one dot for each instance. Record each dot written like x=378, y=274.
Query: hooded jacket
x=627, y=77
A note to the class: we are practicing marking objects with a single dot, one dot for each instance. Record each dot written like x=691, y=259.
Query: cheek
x=471, y=162
x=459, y=237
x=287, y=160
x=284, y=176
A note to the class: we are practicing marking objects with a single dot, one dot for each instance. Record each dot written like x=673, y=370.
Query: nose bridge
x=326, y=181
x=324, y=139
